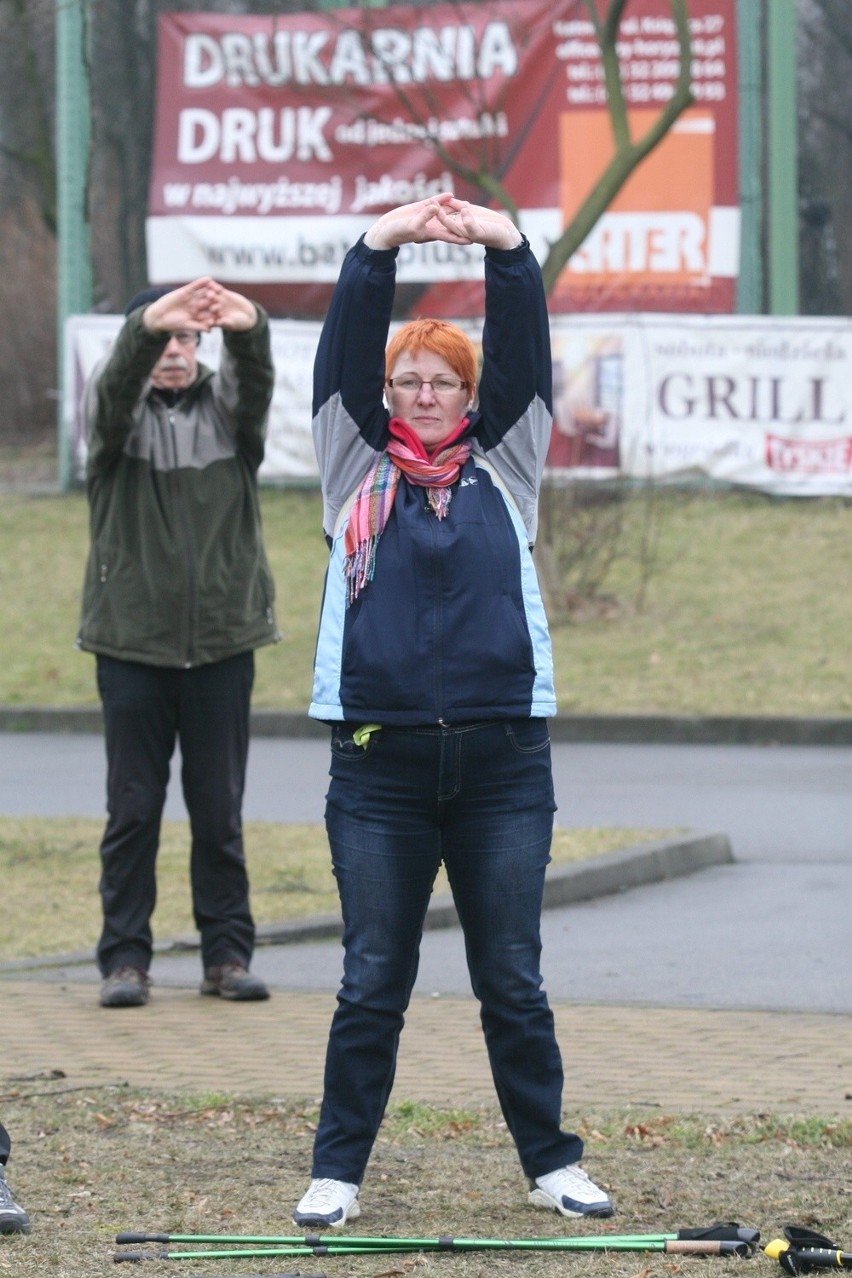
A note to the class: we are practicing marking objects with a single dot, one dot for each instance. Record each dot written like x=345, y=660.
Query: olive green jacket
x=177, y=573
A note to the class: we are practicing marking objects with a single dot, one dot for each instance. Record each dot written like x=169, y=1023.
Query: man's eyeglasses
x=413, y=385
x=185, y=339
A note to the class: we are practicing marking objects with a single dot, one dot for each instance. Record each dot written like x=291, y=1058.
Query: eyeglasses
x=185, y=339
x=411, y=384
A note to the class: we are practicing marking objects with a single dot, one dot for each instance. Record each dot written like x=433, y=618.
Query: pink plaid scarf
x=374, y=501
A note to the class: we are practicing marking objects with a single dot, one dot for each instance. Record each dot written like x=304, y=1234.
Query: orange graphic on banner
x=656, y=232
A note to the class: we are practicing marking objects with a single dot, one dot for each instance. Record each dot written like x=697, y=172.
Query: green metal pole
x=402, y=1247
x=723, y=1239
x=749, y=46
x=782, y=140
x=590, y=1242
x=74, y=271
x=696, y=1247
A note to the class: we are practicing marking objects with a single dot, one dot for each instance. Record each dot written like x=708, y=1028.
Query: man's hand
x=199, y=306
x=188, y=308
x=233, y=311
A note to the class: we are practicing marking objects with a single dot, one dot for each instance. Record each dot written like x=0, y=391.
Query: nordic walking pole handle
x=727, y=1231
x=142, y=1238
x=818, y=1258
x=140, y=1255
x=708, y=1247
x=800, y=1260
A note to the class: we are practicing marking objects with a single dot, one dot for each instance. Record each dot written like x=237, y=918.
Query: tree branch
x=607, y=34
x=628, y=154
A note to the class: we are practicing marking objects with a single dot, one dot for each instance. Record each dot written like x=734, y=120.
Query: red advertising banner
x=280, y=138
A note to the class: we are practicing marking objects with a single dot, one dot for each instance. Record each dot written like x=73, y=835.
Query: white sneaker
x=569, y=1191
x=328, y=1204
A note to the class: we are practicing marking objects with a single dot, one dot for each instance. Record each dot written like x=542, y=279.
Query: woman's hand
x=443, y=217
x=480, y=225
x=416, y=223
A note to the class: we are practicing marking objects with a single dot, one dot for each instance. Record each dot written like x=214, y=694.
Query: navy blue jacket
x=452, y=627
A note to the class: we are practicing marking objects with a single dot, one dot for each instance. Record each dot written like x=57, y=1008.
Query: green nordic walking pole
x=722, y=1248
x=720, y=1240
x=358, y=1240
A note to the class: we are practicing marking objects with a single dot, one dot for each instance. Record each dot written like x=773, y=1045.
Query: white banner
x=755, y=401
x=311, y=250
x=289, y=445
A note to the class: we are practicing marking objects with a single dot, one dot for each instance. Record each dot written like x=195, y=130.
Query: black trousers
x=146, y=709
x=5, y=1145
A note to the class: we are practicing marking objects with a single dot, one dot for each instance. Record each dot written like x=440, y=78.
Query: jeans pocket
x=528, y=736
x=344, y=746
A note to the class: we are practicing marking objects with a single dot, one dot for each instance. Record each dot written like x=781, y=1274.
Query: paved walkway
x=672, y=1059
x=668, y=1059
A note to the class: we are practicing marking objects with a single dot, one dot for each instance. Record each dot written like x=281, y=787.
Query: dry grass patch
x=87, y=1164
x=745, y=608
x=50, y=868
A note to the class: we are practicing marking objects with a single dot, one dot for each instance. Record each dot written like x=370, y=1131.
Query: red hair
x=439, y=337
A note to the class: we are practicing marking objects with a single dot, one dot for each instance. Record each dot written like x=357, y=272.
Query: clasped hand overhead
x=443, y=217
x=199, y=306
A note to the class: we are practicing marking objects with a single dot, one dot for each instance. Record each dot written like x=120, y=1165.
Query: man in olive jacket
x=176, y=597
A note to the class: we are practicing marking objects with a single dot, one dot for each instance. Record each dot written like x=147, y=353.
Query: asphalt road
x=767, y=932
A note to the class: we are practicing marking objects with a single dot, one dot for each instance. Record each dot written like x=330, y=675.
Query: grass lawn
x=747, y=609
x=49, y=870
x=88, y=1163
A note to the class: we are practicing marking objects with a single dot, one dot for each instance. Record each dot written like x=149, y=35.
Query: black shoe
x=13, y=1219
x=127, y=986
x=233, y=980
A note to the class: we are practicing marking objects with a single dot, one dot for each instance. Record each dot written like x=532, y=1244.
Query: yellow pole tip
x=774, y=1249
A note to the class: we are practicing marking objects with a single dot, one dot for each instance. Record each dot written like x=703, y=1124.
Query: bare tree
x=585, y=534
x=26, y=124
x=122, y=71
x=27, y=221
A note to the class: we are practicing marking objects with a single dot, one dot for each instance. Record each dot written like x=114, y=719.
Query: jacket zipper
x=187, y=546
x=437, y=612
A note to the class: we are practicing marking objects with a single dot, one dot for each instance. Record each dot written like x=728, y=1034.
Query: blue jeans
x=478, y=797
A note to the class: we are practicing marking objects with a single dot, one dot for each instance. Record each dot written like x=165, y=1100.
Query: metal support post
x=74, y=270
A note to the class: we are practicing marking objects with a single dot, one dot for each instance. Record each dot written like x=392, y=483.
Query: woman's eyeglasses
x=413, y=385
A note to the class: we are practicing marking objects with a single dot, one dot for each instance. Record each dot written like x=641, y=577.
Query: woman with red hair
x=434, y=670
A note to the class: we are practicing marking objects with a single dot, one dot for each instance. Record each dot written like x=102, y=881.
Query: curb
x=617, y=729
x=565, y=885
